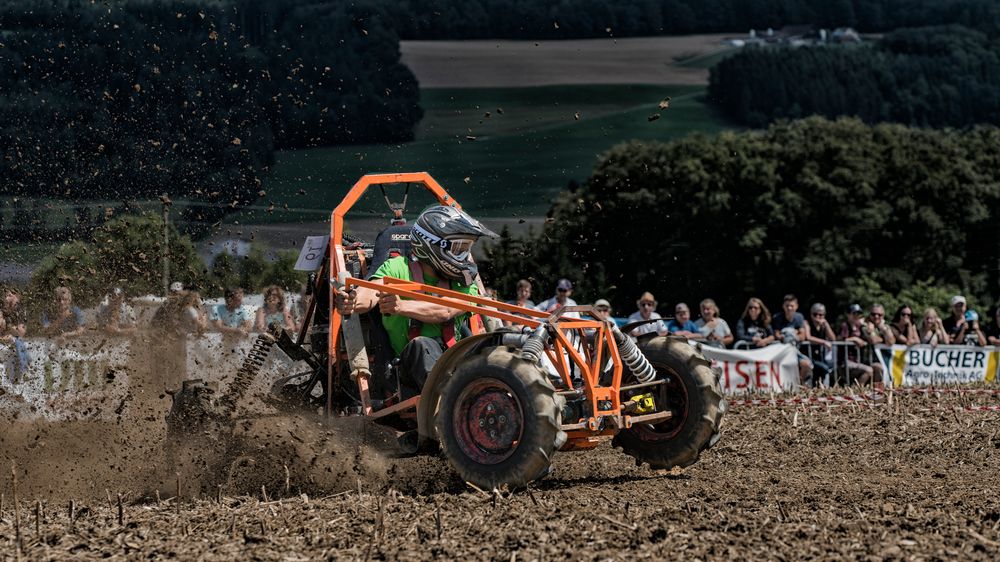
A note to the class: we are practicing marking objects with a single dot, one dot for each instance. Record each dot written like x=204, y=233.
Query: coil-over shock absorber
x=246, y=374
x=633, y=357
x=534, y=345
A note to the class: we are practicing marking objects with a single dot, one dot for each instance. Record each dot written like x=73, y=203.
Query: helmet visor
x=459, y=248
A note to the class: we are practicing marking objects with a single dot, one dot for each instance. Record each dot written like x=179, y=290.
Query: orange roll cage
x=563, y=352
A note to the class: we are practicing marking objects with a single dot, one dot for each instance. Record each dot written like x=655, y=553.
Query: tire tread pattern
x=706, y=407
x=545, y=437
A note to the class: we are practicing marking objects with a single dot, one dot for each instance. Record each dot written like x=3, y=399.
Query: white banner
x=938, y=365
x=774, y=368
x=89, y=377
x=81, y=378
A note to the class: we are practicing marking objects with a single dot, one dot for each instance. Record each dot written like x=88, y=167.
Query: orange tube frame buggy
x=589, y=360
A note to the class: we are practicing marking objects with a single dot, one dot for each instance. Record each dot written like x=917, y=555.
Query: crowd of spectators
x=821, y=344
x=183, y=312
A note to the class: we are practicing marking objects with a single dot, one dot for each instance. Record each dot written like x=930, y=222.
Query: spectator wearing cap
x=523, y=292
x=115, y=315
x=564, y=288
x=13, y=327
x=855, y=330
x=681, y=324
x=603, y=309
x=956, y=325
x=712, y=328
x=62, y=318
x=993, y=329
x=973, y=334
x=647, y=313
x=231, y=317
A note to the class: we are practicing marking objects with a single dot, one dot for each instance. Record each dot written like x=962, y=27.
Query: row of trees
x=563, y=19
x=831, y=210
x=936, y=76
x=127, y=252
x=132, y=99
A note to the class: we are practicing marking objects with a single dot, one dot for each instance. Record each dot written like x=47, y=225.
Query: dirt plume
x=907, y=480
x=284, y=455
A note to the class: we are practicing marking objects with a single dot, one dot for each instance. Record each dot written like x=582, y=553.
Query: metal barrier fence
x=834, y=358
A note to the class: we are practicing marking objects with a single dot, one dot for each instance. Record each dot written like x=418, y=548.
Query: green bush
x=255, y=271
x=126, y=252
x=829, y=210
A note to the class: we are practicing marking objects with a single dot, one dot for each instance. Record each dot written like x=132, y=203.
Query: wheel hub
x=488, y=423
x=673, y=397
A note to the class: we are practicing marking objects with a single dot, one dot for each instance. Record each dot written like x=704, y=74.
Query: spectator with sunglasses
x=862, y=368
x=880, y=332
x=647, y=311
x=902, y=326
x=753, y=329
x=820, y=339
x=956, y=325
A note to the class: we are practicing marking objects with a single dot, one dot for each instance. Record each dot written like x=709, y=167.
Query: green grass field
x=520, y=158
x=707, y=60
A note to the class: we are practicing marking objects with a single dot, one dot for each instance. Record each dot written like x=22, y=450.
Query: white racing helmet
x=442, y=237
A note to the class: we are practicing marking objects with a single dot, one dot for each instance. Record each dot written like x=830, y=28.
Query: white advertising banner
x=941, y=365
x=81, y=378
x=774, y=368
x=89, y=377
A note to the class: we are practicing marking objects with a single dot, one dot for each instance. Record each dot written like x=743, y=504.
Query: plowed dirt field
x=913, y=480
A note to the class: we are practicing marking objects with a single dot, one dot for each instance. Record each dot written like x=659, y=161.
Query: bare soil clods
x=883, y=482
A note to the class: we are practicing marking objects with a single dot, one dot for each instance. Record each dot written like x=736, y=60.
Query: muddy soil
x=913, y=480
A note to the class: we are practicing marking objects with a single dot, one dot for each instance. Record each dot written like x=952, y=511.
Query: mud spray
x=133, y=454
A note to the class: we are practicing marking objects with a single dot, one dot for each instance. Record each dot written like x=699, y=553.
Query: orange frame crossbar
x=564, y=354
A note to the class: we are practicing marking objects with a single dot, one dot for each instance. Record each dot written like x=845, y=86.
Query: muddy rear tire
x=498, y=422
x=691, y=392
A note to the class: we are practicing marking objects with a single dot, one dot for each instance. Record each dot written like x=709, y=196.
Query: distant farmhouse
x=796, y=36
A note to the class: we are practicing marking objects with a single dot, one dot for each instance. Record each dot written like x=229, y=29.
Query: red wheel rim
x=673, y=396
x=488, y=421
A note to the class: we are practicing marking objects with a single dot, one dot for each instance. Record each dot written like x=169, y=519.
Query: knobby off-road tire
x=498, y=421
x=692, y=393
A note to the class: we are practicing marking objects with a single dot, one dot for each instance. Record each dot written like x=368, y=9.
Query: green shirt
x=398, y=326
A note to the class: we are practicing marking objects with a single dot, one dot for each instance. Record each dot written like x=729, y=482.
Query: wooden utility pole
x=166, y=244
